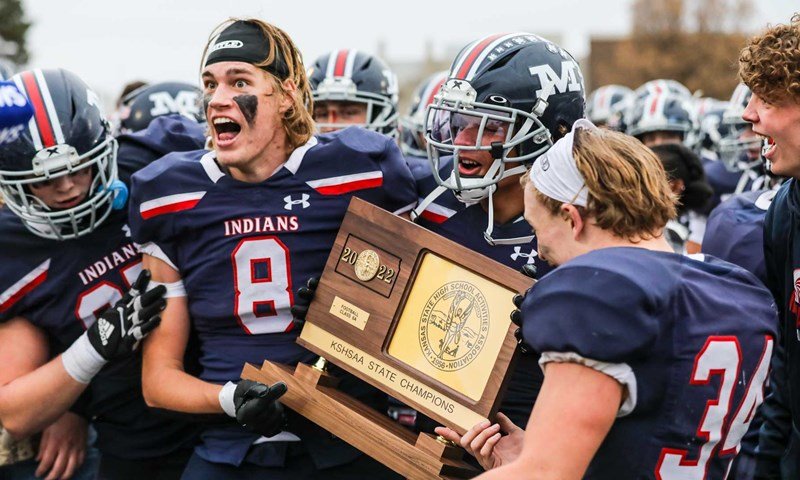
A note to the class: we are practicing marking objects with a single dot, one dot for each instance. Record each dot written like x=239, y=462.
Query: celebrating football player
x=233, y=232
x=768, y=66
x=66, y=257
x=642, y=349
x=490, y=120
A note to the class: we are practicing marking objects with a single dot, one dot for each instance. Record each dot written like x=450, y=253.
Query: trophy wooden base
x=313, y=394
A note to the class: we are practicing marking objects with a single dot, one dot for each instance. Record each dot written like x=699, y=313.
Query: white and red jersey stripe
x=340, y=64
x=466, y=65
x=347, y=183
x=45, y=128
x=24, y=286
x=437, y=213
x=170, y=204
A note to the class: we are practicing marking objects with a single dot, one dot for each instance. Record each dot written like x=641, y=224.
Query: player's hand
x=62, y=448
x=487, y=442
x=257, y=407
x=120, y=329
x=516, y=319
x=302, y=300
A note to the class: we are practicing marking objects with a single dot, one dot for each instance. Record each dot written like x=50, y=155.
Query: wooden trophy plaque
x=419, y=317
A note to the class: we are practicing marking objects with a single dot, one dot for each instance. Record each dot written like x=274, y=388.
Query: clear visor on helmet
x=48, y=166
x=739, y=146
x=455, y=126
x=381, y=115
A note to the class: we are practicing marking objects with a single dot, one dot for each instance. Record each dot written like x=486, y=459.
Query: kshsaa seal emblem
x=454, y=325
x=367, y=264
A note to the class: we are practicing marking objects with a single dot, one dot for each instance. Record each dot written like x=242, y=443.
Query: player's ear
x=289, y=89
x=573, y=215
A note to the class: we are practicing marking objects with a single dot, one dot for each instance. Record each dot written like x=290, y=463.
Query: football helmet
x=662, y=85
x=603, y=104
x=68, y=133
x=355, y=76
x=412, y=125
x=708, y=112
x=141, y=106
x=739, y=147
x=661, y=112
x=519, y=87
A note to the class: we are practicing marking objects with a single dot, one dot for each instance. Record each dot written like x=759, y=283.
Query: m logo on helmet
x=185, y=103
x=551, y=82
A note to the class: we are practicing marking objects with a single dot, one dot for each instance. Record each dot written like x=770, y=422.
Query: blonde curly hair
x=770, y=63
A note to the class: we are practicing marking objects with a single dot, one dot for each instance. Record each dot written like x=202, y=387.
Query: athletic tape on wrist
x=81, y=360
x=174, y=289
x=226, y=399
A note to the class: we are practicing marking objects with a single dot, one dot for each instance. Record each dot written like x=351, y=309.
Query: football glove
x=117, y=332
x=121, y=328
x=305, y=295
x=255, y=406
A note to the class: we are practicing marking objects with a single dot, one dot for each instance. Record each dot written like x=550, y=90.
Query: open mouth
x=468, y=168
x=768, y=147
x=226, y=130
x=70, y=202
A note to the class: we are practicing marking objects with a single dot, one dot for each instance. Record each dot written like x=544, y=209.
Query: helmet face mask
x=737, y=139
x=454, y=108
x=66, y=139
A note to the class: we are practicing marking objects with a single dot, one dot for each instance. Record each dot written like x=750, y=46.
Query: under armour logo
x=456, y=84
x=127, y=230
x=519, y=253
x=290, y=202
x=53, y=151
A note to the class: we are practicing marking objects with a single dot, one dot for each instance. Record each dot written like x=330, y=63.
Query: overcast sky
x=109, y=43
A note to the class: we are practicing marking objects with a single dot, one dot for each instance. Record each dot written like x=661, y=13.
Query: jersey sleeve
x=593, y=317
x=398, y=190
x=152, y=226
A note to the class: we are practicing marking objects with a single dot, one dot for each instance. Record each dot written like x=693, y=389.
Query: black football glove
x=305, y=295
x=258, y=408
x=120, y=329
x=516, y=314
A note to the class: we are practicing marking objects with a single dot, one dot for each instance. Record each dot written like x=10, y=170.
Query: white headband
x=555, y=173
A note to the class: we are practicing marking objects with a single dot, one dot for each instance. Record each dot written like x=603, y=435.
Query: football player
x=642, y=349
x=350, y=87
x=65, y=257
x=768, y=66
x=688, y=182
x=233, y=232
x=605, y=105
x=741, y=167
x=412, y=125
x=499, y=118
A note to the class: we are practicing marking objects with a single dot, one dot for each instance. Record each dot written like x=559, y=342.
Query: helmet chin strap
x=490, y=225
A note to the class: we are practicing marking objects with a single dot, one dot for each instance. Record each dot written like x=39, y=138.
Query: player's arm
x=31, y=401
x=34, y=392
x=572, y=415
x=165, y=383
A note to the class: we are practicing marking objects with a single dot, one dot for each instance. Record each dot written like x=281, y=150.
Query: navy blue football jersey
x=60, y=286
x=735, y=231
x=724, y=182
x=420, y=166
x=465, y=225
x=692, y=362
x=243, y=249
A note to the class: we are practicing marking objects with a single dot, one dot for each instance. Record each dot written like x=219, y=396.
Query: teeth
x=220, y=120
